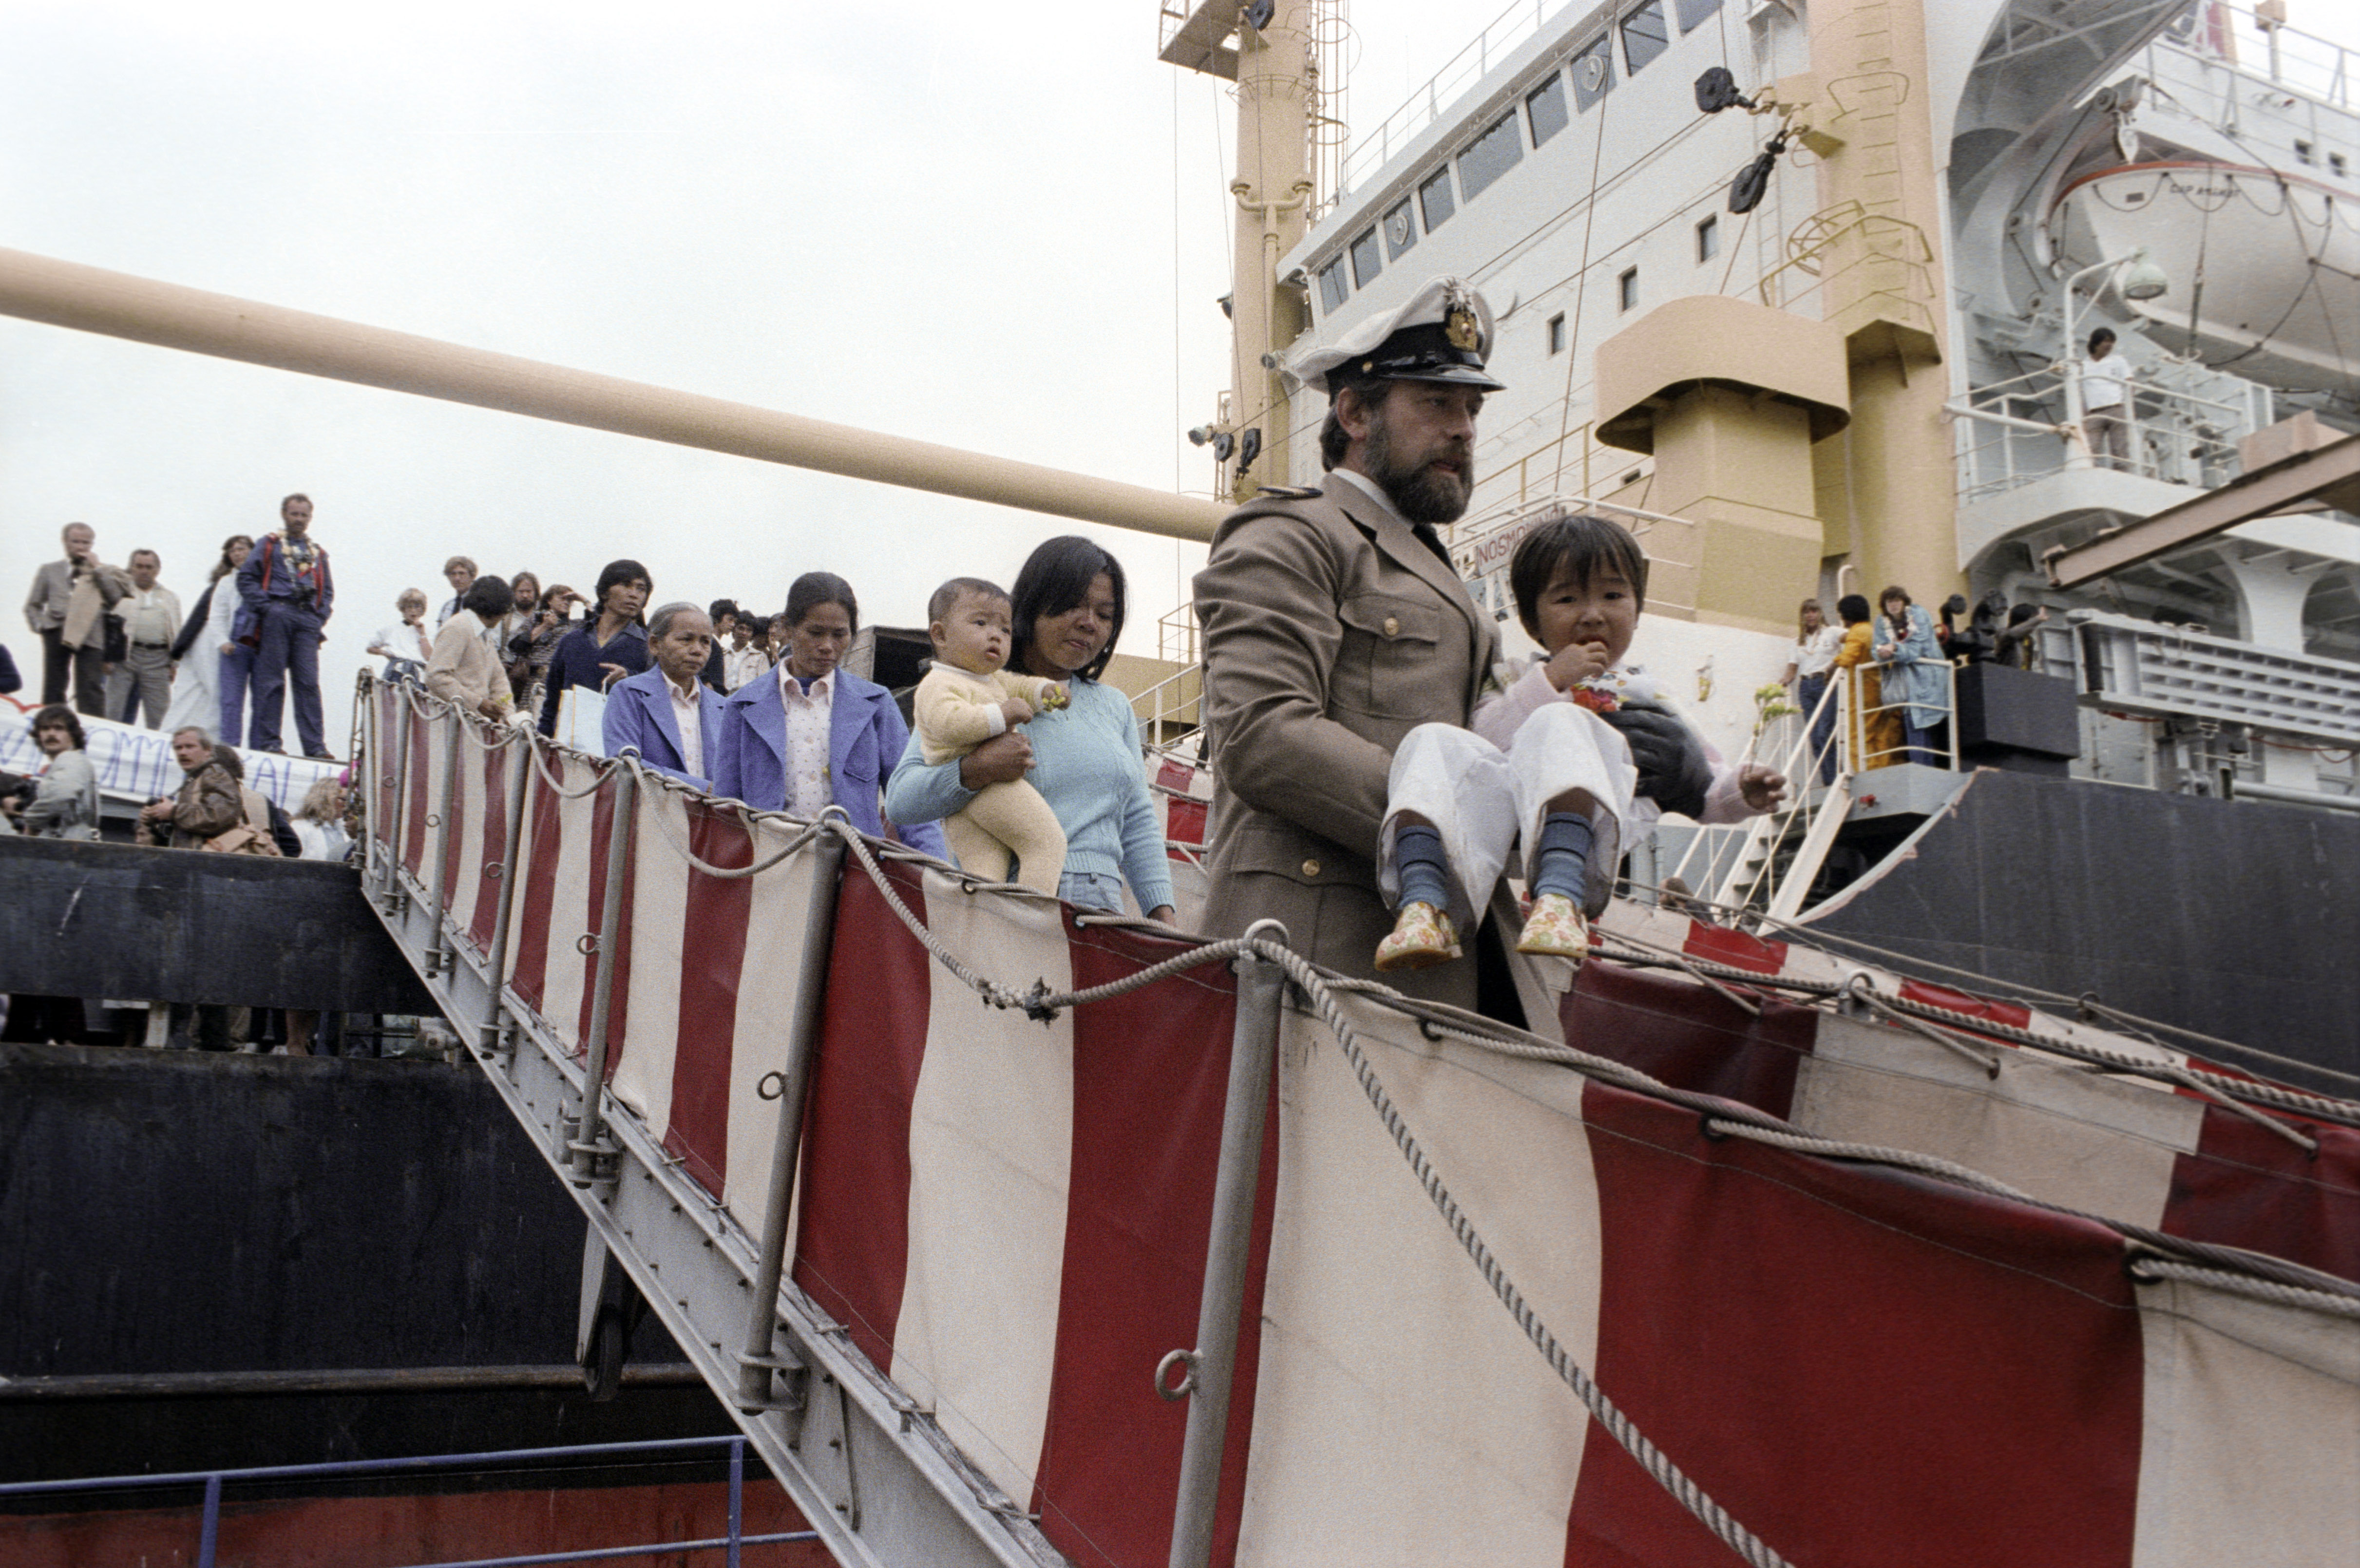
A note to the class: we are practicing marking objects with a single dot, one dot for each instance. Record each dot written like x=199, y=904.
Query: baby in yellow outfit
x=965, y=700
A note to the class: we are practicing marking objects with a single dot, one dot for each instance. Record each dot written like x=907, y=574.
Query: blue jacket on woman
x=639, y=717
x=865, y=737
x=1915, y=674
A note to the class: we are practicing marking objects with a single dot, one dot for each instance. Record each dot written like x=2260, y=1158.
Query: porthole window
x=1401, y=230
x=1544, y=107
x=1593, y=73
x=1434, y=202
x=1333, y=289
x=1646, y=35
x=1499, y=149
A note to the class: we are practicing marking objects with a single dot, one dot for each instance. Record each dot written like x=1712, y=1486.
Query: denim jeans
x=1809, y=690
x=1091, y=890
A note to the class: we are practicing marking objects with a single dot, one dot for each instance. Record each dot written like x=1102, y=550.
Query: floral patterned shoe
x=1420, y=939
x=1555, y=926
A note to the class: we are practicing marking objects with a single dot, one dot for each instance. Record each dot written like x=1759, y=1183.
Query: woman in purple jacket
x=807, y=735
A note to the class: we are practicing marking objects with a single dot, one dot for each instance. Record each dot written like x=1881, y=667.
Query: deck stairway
x=1023, y=1236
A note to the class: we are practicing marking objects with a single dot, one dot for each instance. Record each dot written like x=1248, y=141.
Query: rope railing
x=2155, y=1255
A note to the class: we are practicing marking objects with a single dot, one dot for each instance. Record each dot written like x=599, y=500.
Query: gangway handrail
x=683, y=1242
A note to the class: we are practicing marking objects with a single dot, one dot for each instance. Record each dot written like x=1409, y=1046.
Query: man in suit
x=67, y=610
x=289, y=595
x=668, y=715
x=1334, y=624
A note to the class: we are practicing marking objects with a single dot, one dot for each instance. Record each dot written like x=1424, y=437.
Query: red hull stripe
x=529, y=973
x=420, y=802
x=852, y=1250
x=495, y=833
x=601, y=828
x=1677, y=1031
x=714, y=918
x=1790, y=1330
x=2245, y=1186
x=1151, y=1075
x=1964, y=1002
x=1735, y=947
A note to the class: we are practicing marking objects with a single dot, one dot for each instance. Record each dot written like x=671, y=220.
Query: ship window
x=1556, y=332
x=1401, y=232
x=2302, y=153
x=1627, y=288
x=1333, y=289
x=1646, y=35
x=1593, y=75
x=1708, y=238
x=1366, y=262
x=1434, y=199
x=1496, y=151
x=1545, y=106
x=1693, y=11
x=2335, y=163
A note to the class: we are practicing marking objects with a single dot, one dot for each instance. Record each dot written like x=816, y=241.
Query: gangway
x=1020, y=1236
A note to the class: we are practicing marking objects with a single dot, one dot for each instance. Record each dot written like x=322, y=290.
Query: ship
x=1869, y=1197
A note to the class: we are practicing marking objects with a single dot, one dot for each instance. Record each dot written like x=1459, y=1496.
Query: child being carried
x=965, y=700
x=1542, y=765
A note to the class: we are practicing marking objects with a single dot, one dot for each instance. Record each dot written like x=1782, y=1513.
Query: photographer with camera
x=289, y=596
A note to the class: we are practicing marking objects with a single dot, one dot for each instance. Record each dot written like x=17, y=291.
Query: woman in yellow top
x=1880, y=745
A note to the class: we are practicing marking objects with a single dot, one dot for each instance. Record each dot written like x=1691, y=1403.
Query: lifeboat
x=2265, y=266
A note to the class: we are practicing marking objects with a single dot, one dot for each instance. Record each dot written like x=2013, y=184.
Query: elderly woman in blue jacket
x=808, y=735
x=1915, y=678
x=667, y=714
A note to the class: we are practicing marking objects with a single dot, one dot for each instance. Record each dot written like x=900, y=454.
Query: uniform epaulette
x=1286, y=493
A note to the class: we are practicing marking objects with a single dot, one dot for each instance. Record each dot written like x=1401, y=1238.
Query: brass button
x=1393, y=625
x=1311, y=868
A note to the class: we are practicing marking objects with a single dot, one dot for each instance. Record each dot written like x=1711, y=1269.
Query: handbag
x=243, y=840
x=246, y=627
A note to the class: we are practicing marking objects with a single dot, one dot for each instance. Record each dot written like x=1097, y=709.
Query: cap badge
x=1458, y=327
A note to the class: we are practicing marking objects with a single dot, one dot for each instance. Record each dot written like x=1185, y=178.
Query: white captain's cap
x=1443, y=334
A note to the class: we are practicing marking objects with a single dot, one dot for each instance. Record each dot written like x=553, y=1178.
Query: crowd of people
x=1374, y=762
x=759, y=708
x=118, y=645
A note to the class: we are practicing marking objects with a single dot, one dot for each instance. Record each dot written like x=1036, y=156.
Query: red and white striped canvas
x=1861, y=1364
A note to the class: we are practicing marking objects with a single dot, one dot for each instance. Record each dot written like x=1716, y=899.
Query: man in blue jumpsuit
x=288, y=592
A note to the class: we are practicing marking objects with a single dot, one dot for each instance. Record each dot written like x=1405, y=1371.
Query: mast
x=1269, y=49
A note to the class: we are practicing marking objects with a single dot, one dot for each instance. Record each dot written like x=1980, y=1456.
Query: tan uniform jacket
x=1330, y=632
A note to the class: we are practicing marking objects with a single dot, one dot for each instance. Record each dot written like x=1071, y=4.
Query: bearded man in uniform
x=1334, y=625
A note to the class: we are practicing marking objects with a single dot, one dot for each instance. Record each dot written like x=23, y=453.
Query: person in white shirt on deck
x=2105, y=402
x=405, y=645
x=151, y=621
x=1807, y=670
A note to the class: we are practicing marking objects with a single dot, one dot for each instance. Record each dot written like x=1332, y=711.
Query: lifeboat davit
x=2265, y=266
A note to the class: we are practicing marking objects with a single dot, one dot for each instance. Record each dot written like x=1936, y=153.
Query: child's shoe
x=1420, y=939
x=1556, y=927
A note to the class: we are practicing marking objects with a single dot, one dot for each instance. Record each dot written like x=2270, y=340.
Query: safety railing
x=1462, y=70
x=867, y=1135
x=2256, y=42
x=2145, y=667
x=216, y=1483
x=2015, y=432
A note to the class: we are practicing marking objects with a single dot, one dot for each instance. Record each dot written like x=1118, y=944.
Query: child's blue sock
x=1563, y=856
x=1424, y=874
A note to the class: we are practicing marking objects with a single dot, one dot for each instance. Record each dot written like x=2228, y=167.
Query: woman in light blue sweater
x=1085, y=758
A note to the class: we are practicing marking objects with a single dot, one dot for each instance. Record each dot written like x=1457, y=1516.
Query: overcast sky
x=999, y=229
